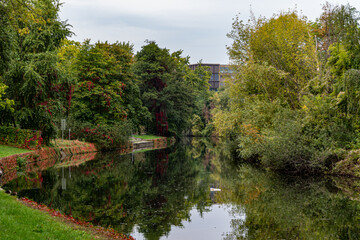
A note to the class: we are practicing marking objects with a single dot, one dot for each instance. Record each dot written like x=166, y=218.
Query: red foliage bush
x=22, y=138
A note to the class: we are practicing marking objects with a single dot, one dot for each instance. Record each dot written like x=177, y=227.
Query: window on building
x=214, y=77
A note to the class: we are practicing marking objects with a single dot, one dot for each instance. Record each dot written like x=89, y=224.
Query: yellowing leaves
x=5, y=103
x=253, y=195
x=24, y=31
x=277, y=56
x=225, y=122
x=252, y=132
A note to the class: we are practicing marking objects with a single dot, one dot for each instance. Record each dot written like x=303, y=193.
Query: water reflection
x=165, y=194
x=293, y=208
x=213, y=224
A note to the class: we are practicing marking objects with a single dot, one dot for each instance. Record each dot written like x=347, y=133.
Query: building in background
x=219, y=73
x=226, y=72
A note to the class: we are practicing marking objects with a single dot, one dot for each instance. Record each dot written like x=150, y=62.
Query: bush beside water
x=23, y=138
x=105, y=137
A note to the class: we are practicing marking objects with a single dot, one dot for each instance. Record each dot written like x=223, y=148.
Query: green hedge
x=23, y=138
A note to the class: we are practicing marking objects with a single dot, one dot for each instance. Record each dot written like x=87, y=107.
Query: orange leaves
x=252, y=132
x=253, y=195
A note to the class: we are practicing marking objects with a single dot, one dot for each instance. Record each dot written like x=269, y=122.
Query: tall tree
x=106, y=92
x=168, y=88
x=276, y=56
x=33, y=77
x=338, y=24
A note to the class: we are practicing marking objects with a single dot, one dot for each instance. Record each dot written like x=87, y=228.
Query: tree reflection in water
x=156, y=191
x=283, y=207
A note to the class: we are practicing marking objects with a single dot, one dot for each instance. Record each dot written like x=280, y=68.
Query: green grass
x=143, y=150
x=147, y=137
x=67, y=143
x=8, y=151
x=20, y=222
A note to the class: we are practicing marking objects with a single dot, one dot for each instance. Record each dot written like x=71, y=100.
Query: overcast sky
x=198, y=27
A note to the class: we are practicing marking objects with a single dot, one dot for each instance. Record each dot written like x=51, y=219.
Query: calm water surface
x=195, y=190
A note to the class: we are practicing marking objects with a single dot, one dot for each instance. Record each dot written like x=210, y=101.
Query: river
x=195, y=190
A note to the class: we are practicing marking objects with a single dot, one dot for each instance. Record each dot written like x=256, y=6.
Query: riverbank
x=8, y=151
x=349, y=165
x=42, y=158
x=18, y=221
x=63, y=152
x=66, y=150
x=36, y=221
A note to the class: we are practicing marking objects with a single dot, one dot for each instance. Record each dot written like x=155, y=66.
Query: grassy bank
x=146, y=137
x=20, y=222
x=59, y=143
x=8, y=151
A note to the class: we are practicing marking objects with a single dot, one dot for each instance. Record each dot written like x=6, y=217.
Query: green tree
x=106, y=98
x=5, y=103
x=168, y=88
x=67, y=58
x=102, y=72
x=340, y=40
x=338, y=24
x=269, y=109
x=276, y=57
x=106, y=91
x=5, y=38
x=34, y=80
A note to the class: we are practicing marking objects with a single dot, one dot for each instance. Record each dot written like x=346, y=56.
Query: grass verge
x=20, y=222
x=146, y=137
x=8, y=151
x=59, y=143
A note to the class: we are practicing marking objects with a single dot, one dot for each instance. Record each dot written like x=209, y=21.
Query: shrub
x=292, y=142
x=21, y=164
x=105, y=137
x=286, y=148
x=24, y=138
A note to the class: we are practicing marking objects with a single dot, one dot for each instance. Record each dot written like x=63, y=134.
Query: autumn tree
x=276, y=56
x=266, y=108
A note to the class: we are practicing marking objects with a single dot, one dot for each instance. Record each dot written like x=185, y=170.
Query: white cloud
x=198, y=27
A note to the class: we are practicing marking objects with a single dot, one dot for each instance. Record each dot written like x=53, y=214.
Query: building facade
x=219, y=73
